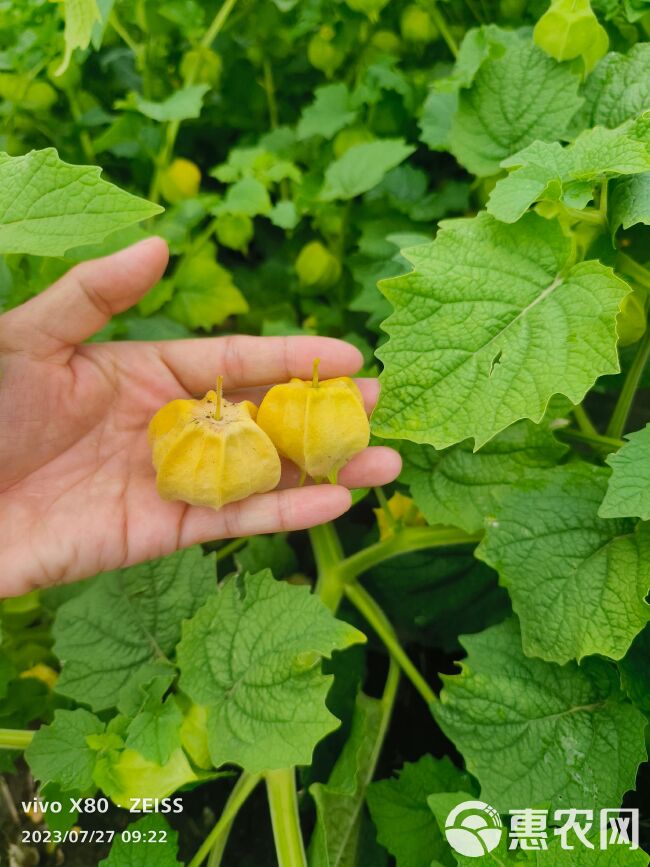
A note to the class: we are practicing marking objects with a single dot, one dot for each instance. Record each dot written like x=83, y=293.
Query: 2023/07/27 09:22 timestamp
x=94, y=835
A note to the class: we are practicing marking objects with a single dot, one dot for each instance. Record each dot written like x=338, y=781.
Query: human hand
x=77, y=488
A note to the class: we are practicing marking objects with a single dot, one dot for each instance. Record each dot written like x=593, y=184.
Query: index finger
x=246, y=361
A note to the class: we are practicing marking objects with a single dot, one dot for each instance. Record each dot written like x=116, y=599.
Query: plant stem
x=172, y=128
x=123, y=33
x=583, y=421
x=84, y=137
x=597, y=440
x=242, y=789
x=439, y=20
x=15, y=739
x=408, y=539
x=586, y=215
x=231, y=547
x=283, y=803
x=602, y=204
x=328, y=555
x=364, y=602
x=634, y=269
x=618, y=420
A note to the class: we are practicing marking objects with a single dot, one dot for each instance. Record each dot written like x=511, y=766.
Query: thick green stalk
x=283, y=802
x=598, y=441
x=217, y=837
x=328, y=555
x=367, y=606
x=618, y=420
x=15, y=739
x=408, y=539
x=583, y=421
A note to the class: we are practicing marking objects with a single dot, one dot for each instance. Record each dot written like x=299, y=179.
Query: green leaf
x=460, y=487
x=60, y=754
x=515, y=98
x=124, y=774
x=182, y=105
x=548, y=171
x=629, y=202
x=436, y=119
x=152, y=843
x=488, y=326
x=48, y=206
x=339, y=802
x=405, y=824
x=284, y=215
x=330, y=111
x=155, y=731
x=533, y=732
x=248, y=197
x=577, y=581
x=126, y=619
x=80, y=18
x=362, y=167
x=618, y=89
x=205, y=294
x=628, y=490
x=252, y=655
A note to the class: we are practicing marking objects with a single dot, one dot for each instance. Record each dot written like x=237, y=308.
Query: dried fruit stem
x=314, y=376
x=217, y=410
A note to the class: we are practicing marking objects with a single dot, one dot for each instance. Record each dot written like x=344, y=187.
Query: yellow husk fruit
x=317, y=425
x=210, y=452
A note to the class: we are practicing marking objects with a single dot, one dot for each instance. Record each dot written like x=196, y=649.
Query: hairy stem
x=15, y=739
x=367, y=606
x=217, y=837
x=583, y=421
x=383, y=502
x=618, y=420
x=283, y=803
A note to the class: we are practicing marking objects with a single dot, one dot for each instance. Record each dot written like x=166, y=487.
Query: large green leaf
x=551, y=172
x=60, y=754
x=252, y=654
x=577, y=581
x=362, y=167
x=48, y=206
x=618, y=88
x=533, y=732
x=405, y=824
x=628, y=491
x=461, y=487
x=125, y=620
x=204, y=292
x=492, y=322
x=517, y=97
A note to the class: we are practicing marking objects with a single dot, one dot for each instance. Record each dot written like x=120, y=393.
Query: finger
x=295, y=509
x=83, y=300
x=369, y=389
x=245, y=361
x=374, y=466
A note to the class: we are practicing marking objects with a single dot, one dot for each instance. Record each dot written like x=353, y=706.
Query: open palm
x=77, y=489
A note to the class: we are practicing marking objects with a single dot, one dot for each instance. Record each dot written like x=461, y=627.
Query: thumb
x=83, y=300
